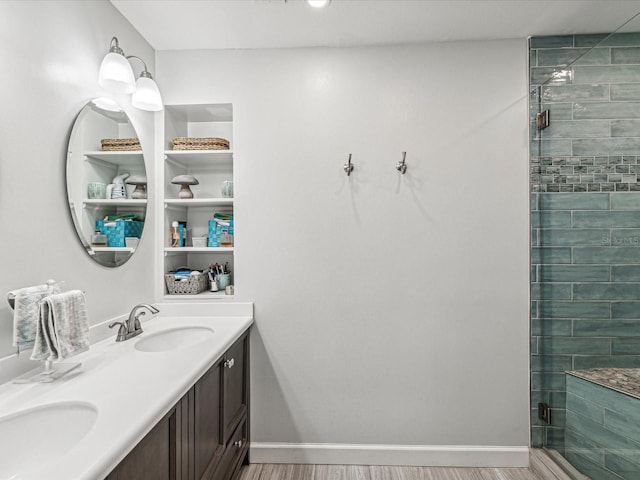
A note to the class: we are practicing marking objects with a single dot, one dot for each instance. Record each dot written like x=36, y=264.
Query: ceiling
x=230, y=24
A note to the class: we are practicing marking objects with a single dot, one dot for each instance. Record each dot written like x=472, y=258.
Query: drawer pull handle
x=238, y=444
x=229, y=363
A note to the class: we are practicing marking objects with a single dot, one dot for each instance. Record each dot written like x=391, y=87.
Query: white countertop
x=131, y=390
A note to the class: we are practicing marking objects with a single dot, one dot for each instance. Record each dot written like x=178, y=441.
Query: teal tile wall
x=585, y=219
x=602, y=434
x=585, y=291
x=593, y=95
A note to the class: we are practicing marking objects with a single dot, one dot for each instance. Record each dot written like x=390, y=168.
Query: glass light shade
x=147, y=96
x=116, y=75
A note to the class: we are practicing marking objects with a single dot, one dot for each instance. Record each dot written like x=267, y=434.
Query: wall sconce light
x=146, y=95
x=116, y=75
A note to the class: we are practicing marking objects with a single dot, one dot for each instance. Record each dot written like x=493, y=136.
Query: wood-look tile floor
x=359, y=472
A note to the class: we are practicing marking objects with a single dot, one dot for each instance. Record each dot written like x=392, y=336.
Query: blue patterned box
x=183, y=233
x=214, y=234
x=215, y=231
x=123, y=228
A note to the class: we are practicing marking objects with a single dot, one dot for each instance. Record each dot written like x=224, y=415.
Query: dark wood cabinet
x=153, y=457
x=206, y=435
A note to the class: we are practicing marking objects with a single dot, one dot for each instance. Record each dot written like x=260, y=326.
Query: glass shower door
x=585, y=247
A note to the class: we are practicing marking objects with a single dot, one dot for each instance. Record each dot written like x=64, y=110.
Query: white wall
x=390, y=310
x=50, y=54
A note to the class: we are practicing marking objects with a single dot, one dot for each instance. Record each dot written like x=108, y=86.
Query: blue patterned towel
x=63, y=326
x=25, y=313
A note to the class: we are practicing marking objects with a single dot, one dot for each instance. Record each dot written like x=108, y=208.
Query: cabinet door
x=207, y=444
x=235, y=386
x=154, y=457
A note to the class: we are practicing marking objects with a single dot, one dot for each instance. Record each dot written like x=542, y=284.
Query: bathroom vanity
x=205, y=435
x=171, y=403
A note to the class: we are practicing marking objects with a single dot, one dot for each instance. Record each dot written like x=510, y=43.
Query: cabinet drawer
x=235, y=386
x=236, y=448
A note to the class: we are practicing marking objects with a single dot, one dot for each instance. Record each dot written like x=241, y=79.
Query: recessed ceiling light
x=318, y=3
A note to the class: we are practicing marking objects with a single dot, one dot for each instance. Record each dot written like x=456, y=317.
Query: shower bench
x=602, y=436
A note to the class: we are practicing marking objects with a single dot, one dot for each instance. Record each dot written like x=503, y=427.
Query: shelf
x=113, y=249
x=197, y=202
x=168, y=250
x=206, y=295
x=196, y=153
x=115, y=158
x=115, y=203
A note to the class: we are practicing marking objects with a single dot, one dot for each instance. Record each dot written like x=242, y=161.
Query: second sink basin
x=173, y=338
x=32, y=438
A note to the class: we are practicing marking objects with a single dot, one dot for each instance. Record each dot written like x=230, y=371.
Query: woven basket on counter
x=200, y=143
x=192, y=286
x=120, y=144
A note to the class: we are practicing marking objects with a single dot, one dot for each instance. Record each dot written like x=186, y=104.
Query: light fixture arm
x=145, y=73
x=114, y=47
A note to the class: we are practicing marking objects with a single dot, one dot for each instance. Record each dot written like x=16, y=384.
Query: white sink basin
x=173, y=339
x=31, y=438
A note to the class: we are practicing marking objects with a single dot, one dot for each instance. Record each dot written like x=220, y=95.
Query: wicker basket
x=120, y=144
x=192, y=286
x=200, y=143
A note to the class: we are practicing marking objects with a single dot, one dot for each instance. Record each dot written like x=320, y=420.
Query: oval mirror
x=106, y=182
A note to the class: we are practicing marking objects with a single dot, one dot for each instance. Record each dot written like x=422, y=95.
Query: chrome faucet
x=132, y=327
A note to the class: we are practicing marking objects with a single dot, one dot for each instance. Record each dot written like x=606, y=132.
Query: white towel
x=63, y=327
x=25, y=312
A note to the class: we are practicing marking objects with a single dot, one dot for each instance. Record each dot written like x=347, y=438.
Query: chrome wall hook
x=348, y=167
x=401, y=166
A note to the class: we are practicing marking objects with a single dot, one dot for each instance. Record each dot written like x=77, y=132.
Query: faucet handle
x=122, y=331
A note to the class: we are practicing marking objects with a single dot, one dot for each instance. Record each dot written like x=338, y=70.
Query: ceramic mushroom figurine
x=185, y=181
x=140, y=181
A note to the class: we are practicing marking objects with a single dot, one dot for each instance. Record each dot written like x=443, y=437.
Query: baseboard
x=409, y=455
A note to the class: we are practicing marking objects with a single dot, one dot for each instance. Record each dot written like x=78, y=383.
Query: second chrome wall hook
x=401, y=166
x=348, y=167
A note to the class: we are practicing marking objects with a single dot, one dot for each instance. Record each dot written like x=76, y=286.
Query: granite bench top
x=623, y=380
